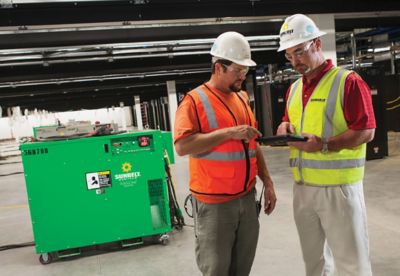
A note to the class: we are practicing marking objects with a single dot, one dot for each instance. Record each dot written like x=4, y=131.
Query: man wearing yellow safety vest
x=333, y=108
x=215, y=126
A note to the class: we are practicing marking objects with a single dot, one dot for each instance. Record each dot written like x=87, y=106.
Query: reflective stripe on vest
x=323, y=116
x=212, y=121
x=328, y=164
x=295, y=86
x=331, y=103
x=225, y=156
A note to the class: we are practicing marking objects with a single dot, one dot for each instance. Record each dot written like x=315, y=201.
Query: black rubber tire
x=45, y=258
x=163, y=239
x=164, y=242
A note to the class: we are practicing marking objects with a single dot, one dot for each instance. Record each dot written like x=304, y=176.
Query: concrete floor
x=278, y=250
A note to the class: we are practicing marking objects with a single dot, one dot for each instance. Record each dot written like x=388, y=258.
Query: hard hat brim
x=244, y=62
x=299, y=41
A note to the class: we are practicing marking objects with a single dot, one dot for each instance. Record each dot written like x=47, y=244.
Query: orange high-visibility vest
x=228, y=168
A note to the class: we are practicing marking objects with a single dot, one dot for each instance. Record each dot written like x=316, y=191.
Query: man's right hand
x=244, y=132
x=203, y=142
x=285, y=128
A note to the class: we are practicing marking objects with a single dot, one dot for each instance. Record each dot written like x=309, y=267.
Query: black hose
x=10, y=163
x=189, y=197
x=7, y=174
x=13, y=246
x=176, y=213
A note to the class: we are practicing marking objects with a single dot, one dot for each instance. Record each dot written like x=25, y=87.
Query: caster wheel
x=164, y=239
x=45, y=258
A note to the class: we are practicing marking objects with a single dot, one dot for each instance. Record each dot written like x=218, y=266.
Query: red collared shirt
x=358, y=110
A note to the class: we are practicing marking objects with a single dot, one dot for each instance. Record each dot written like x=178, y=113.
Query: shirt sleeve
x=186, y=121
x=358, y=109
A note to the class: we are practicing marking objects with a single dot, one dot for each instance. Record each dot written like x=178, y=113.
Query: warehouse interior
x=130, y=63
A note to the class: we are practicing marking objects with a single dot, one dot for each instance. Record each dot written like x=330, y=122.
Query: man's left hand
x=313, y=143
x=269, y=198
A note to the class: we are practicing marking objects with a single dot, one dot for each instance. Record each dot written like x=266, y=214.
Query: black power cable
x=176, y=213
x=7, y=174
x=13, y=246
x=6, y=163
x=186, y=204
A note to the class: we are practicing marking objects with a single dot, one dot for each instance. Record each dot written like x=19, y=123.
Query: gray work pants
x=226, y=236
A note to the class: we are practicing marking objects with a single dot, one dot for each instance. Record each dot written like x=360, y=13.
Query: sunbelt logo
x=285, y=30
x=127, y=174
x=126, y=167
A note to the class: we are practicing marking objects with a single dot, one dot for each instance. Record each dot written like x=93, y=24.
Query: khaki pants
x=226, y=236
x=332, y=226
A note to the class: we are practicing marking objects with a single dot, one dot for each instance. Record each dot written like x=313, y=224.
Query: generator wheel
x=164, y=239
x=45, y=258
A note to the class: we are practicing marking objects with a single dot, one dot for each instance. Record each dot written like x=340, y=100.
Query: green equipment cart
x=90, y=191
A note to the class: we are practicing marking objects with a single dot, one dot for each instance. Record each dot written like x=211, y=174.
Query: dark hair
x=220, y=61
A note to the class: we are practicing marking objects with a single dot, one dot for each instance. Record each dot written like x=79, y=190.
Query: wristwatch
x=324, y=145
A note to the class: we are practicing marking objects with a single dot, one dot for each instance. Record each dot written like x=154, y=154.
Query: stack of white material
x=9, y=148
x=21, y=123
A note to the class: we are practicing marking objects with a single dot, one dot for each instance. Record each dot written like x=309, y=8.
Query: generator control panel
x=133, y=144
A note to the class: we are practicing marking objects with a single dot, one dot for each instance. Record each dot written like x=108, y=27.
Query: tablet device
x=280, y=139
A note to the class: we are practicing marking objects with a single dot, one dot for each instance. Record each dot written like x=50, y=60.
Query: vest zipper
x=246, y=153
x=301, y=129
x=246, y=146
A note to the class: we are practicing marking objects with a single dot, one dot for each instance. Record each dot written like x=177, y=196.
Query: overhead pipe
x=103, y=26
x=104, y=77
x=48, y=61
x=169, y=44
x=112, y=52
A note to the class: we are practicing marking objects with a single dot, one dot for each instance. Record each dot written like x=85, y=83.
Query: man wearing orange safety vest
x=215, y=126
x=333, y=108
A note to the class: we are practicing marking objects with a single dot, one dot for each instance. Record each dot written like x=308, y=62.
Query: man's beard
x=235, y=88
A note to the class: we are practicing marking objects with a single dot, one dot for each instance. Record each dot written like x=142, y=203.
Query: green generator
x=96, y=190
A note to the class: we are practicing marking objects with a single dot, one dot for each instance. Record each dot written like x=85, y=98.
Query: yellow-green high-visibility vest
x=323, y=116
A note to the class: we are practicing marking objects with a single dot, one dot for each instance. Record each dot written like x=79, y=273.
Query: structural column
x=172, y=102
x=123, y=115
x=138, y=112
x=326, y=23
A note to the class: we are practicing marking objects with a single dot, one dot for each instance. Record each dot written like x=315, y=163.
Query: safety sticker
x=96, y=180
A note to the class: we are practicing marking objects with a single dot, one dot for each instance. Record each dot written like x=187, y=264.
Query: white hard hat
x=297, y=29
x=234, y=47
